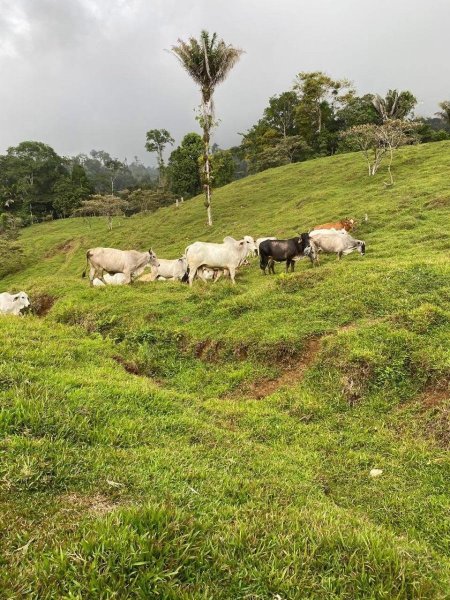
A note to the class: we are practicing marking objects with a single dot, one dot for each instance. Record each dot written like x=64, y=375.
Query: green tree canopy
x=157, y=140
x=184, y=166
x=32, y=179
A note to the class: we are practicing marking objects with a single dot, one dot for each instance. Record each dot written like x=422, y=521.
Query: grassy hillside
x=216, y=442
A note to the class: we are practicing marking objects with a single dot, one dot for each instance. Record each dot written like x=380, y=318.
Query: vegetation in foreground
x=158, y=441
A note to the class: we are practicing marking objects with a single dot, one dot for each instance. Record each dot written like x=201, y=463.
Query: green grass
x=158, y=441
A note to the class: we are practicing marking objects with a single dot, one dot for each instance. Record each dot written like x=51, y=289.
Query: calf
x=170, y=269
x=12, y=304
x=209, y=274
x=110, y=279
x=291, y=250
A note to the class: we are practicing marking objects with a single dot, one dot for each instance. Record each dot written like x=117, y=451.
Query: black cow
x=271, y=251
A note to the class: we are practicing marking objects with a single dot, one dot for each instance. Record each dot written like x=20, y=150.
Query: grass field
x=214, y=443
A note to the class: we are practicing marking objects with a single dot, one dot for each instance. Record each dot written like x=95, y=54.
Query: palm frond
x=207, y=60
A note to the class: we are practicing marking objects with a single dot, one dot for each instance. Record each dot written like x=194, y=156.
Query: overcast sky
x=84, y=74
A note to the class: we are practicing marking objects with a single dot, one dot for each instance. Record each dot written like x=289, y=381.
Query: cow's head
x=348, y=224
x=361, y=247
x=21, y=299
x=303, y=243
x=152, y=260
x=250, y=245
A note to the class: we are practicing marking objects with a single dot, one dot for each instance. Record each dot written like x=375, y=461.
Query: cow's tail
x=83, y=274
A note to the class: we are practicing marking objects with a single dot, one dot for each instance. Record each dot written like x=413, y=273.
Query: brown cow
x=347, y=224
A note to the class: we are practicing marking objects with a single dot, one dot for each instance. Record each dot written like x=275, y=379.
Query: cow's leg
x=127, y=277
x=96, y=272
x=272, y=266
x=263, y=263
x=154, y=273
x=339, y=254
x=218, y=274
x=92, y=274
x=201, y=275
x=192, y=273
x=232, y=270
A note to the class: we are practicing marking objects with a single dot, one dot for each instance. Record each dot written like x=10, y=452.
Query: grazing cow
x=291, y=250
x=338, y=242
x=129, y=262
x=229, y=255
x=12, y=304
x=169, y=269
x=347, y=224
x=263, y=239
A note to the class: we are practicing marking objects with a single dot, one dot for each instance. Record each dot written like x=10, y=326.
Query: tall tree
x=280, y=114
x=157, y=140
x=319, y=95
x=184, y=166
x=107, y=174
x=395, y=105
x=208, y=61
x=28, y=173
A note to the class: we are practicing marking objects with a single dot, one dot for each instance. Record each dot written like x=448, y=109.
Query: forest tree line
x=318, y=116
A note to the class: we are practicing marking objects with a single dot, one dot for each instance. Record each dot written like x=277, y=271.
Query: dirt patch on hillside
x=41, y=304
x=435, y=414
x=438, y=202
x=429, y=414
x=208, y=350
x=62, y=248
x=129, y=365
x=96, y=505
x=291, y=375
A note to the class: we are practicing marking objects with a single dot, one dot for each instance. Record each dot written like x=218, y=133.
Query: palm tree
x=396, y=105
x=444, y=114
x=208, y=61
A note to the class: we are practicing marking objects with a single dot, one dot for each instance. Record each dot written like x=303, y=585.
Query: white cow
x=168, y=269
x=12, y=304
x=110, y=279
x=129, y=262
x=337, y=242
x=229, y=255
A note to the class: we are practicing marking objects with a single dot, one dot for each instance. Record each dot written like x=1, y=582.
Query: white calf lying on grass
x=12, y=304
x=109, y=279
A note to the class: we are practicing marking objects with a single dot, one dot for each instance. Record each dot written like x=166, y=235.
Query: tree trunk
x=390, y=164
x=160, y=168
x=207, y=184
x=207, y=122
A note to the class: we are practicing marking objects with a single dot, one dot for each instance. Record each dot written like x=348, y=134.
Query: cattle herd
x=207, y=261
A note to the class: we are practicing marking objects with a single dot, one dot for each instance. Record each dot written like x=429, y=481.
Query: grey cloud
x=83, y=74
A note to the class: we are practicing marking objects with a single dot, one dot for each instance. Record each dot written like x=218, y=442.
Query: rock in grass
x=375, y=472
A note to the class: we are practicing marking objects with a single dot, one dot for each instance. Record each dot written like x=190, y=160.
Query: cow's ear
x=241, y=243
